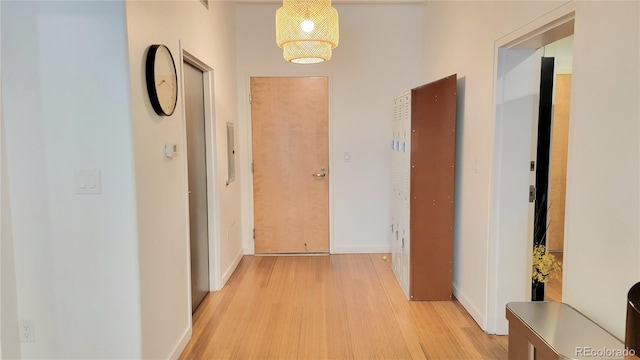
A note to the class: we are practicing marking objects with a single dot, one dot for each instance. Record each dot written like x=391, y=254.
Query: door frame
x=504, y=250
x=213, y=198
x=246, y=159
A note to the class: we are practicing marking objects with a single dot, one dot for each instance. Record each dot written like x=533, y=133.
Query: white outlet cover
x=27, y=331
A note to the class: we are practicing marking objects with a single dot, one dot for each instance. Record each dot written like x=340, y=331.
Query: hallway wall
x=9, y=342
x=66, y=108
x=161, y=183
x=602, y=236
x=106, y=276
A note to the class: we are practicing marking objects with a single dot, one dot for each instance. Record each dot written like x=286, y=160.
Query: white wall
x=105, y=276
x=379, y=57
x=471, y=29
x=9, y=342
x=602, y=239
x=601, y=236
x=161, y=183
x=66, y=104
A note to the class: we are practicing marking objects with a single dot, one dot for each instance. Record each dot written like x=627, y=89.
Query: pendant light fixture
x=307, y=30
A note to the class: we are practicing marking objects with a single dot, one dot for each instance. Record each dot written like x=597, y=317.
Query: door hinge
x=252, y=168
x=250, y=99
x=254, y=234
x=532, y=193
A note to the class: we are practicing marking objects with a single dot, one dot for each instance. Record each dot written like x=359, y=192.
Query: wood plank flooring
x=330, y=307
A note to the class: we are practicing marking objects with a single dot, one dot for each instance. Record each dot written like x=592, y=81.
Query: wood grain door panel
x=290, y=143
x=433, y=125
x=558, y=166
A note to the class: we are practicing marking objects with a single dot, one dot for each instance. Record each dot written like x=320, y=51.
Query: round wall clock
x=162, y=80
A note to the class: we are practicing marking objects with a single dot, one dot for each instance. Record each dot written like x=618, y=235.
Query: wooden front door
x=289, y=119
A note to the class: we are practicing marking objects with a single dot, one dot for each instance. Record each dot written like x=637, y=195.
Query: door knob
x=321, y=174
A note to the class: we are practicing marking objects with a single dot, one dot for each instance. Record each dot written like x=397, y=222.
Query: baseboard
x=182, y=344
x=477, y=315
x=346, y=250
x=385, y=249
x=502, y=326
x=227, y=274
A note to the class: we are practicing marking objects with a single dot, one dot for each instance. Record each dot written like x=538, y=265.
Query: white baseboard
x=385, y=249
x=227, y=274
x=346, y=250
x=182, y=344
x=502, y=326
x=477, y=315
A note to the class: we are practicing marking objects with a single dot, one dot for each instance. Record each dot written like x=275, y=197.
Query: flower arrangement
x=545, y=265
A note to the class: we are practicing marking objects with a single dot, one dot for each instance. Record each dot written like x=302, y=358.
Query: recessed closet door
x=197, y=172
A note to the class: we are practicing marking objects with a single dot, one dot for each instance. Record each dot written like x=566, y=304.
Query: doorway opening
x=517, y=95
x=551, y=164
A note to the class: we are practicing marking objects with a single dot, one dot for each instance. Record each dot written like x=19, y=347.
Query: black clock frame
x=151, y=81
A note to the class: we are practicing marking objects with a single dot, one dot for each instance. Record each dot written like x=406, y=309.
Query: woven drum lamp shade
x=307, y=30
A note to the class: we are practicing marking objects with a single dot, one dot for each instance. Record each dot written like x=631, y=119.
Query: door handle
x=321, y=174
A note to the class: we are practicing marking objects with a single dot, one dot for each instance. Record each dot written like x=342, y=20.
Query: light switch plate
x=88, y=182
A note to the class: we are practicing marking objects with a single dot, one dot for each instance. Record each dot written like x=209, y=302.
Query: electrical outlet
x=27, y=331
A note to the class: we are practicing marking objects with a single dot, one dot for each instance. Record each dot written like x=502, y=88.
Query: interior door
x=432, y=176
x=197, y=171
x=289, y=119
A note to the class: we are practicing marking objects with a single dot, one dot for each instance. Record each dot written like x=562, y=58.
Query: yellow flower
x=544, y=265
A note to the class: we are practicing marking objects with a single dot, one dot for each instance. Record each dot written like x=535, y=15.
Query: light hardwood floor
x=330, y=307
